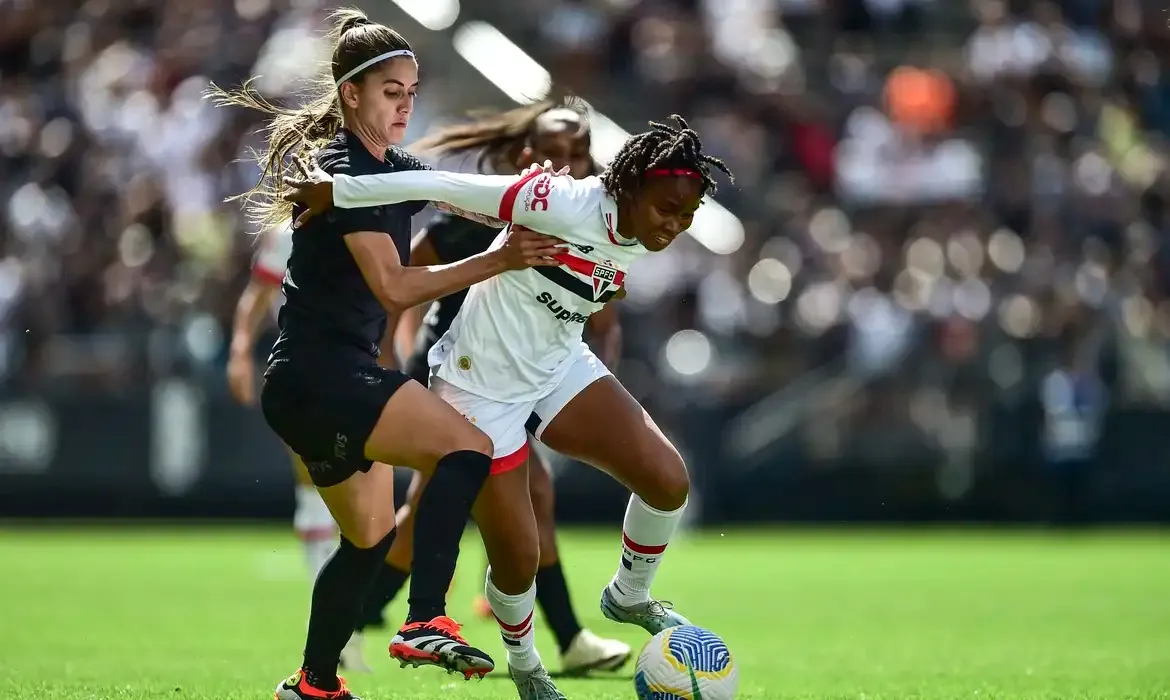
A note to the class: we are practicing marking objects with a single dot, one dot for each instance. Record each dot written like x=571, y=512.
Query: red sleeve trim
x=508, y=201
x=263, y=274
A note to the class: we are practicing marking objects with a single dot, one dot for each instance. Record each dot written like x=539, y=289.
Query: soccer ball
x=685, y=663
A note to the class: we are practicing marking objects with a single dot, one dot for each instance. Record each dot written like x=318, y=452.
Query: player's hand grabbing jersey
x=516, y=332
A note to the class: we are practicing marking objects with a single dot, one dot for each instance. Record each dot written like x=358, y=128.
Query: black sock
x=552, y=593
x=439, y=520
x=387, y=584
x=337, y=600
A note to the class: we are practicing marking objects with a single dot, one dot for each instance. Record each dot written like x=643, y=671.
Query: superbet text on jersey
x=517, y=332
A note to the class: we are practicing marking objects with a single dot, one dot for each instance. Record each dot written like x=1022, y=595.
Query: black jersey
x=454, y=238
x=329, y=308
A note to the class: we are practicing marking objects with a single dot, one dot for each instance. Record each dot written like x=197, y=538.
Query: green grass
x=220, y=613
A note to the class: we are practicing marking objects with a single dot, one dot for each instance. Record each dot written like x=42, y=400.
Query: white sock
x=514, y=614
x=645, y=534
x=315, y=528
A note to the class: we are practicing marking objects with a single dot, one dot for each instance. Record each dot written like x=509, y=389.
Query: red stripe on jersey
x=641, y=548
x=508, y=201
x=585, y=267
x=266, y=276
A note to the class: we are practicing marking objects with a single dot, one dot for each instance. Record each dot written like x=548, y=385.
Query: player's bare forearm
x=399, y=288
x=419, y=285
x=470, y=215
x=251, y=310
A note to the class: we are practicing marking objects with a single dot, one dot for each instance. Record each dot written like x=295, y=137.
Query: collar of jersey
x=609, y=212
x=354, y=145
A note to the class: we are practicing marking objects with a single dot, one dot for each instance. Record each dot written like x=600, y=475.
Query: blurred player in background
x=311, y=520
x=514, y=360
x=505, y=143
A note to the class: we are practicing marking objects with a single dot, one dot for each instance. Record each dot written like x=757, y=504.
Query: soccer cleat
x=296, y=687
x=353, y=656
x=588, y=652
x=437, y=643
x=535, y=684
x=482, y=607
x=652, y=616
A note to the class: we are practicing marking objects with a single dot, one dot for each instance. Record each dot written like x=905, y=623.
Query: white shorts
x=507, y=424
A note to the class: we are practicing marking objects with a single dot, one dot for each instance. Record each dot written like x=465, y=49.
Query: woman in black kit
x=506, y=143
x=324, y=392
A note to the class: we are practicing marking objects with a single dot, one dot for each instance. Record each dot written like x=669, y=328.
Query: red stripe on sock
x=642, y=548
x=317, y=534
x=515, y=629
x=516, y=635
x=508, y=201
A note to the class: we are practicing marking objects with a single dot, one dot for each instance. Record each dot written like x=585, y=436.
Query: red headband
x=675, y=172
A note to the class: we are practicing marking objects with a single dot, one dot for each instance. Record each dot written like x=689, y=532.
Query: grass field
x=219, y=614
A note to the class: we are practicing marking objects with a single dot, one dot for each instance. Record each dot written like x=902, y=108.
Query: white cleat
x=353, y=656
x=588, y=652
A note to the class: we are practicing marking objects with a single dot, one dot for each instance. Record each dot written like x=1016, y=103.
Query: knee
x=471, y=438
x=669, y=484
x=372, y=534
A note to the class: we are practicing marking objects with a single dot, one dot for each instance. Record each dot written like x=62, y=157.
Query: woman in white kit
x=515, y=351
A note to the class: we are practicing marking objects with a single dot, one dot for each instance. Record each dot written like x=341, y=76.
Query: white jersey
x=516, y=333
x=272, y=258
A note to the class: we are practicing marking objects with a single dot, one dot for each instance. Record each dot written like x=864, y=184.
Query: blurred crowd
x=951, y=202
x=945, y=201
x=115, y=241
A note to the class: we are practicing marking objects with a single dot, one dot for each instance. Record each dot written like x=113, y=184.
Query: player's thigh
x=363, y=505
x=325, y=414
x=502, y=422
x=603, y=425
x=416, y=428
x=503, y=514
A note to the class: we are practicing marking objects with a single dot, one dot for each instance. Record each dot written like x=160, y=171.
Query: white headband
x=372, y=61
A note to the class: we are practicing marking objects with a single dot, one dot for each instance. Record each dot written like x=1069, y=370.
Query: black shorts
x=325, y=413
x=418, y=369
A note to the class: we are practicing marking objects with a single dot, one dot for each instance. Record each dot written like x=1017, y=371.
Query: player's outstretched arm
x=399, y=288
x=523, y=199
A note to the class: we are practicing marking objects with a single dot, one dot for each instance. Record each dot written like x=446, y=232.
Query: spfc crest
x=603, y=279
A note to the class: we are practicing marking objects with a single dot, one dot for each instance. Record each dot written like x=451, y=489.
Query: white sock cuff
x=493, y=593
x=660, y=513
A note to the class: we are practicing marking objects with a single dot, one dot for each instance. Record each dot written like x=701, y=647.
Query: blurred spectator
x=951, y=184
x=932, y=191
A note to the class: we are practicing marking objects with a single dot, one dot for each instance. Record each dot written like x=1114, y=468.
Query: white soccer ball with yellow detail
x=685, y=663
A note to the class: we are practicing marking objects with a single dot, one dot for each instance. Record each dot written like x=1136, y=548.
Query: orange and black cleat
x=437, y=643
x=296, y=687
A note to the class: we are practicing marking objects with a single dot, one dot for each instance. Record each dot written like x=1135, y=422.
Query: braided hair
x=664, y=146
